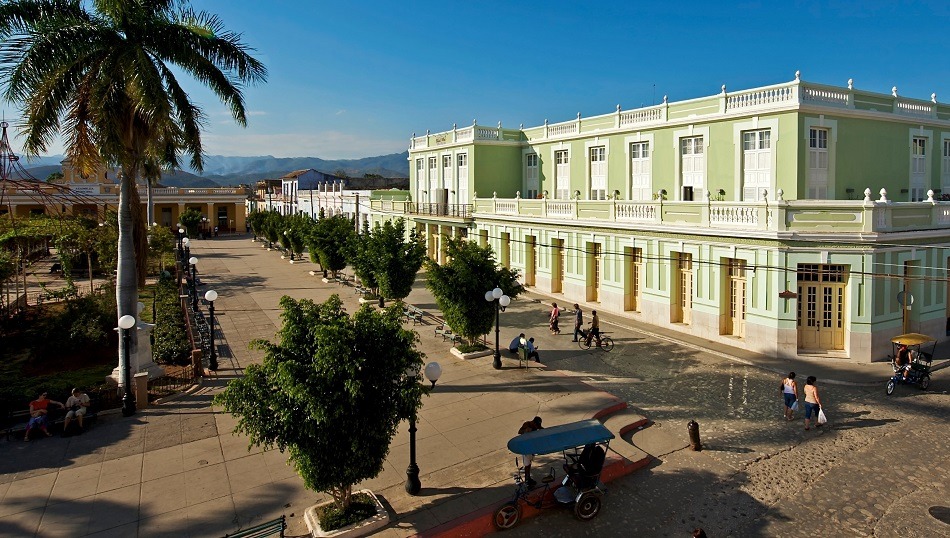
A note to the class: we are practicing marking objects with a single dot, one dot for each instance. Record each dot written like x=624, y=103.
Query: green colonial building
x=785, y=219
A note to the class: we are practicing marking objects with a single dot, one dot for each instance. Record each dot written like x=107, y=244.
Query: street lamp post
x=126, y=323
x=186, y=248
x=194, y=282
x=181, y=235
x=432, y=372
x=210, y=296
x=291, y=249
x=501, y=302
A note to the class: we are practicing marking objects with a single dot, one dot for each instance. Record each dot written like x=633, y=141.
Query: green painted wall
x=495, y=168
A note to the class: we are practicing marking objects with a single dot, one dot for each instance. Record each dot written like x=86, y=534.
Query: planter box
x=361, y=528
x=472, y=355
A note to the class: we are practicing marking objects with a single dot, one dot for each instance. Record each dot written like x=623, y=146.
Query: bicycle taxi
x=584, y=447
x=920, y=352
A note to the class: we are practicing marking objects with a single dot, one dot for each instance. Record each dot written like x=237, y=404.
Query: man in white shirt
x=77, y=405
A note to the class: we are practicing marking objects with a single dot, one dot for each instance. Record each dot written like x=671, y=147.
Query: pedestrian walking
x=812, y=401
x=578, y=321
x=790, y=395
x=555, y=315
x=528, y=427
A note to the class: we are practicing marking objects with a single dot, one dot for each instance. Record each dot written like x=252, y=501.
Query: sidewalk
x=176, y=470
x=835, y=371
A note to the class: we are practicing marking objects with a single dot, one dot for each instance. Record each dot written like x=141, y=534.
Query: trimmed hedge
x=171, y=339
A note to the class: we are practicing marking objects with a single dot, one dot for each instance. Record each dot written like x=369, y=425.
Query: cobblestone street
x=874, y=470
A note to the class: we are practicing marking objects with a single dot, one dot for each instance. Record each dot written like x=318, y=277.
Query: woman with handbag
x=790, y=395
x=812, y=402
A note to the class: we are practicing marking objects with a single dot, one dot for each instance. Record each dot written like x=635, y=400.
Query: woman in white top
x=789, y=394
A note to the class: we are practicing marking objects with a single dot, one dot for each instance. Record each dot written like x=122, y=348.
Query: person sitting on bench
x=532, y=351
x=77, y=404
x=516, y=343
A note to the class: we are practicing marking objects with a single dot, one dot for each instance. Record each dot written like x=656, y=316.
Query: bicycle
x=606, y=343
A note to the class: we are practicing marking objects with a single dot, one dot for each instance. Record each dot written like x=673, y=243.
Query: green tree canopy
x=190, y=219
x=330, y=239
x=459, y=287
x=331, y=391
x=398, y=257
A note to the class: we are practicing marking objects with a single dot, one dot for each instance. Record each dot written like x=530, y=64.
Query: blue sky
x=356, y=79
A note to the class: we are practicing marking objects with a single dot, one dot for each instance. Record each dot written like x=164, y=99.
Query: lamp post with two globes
x=432, y=372
x=501, y=302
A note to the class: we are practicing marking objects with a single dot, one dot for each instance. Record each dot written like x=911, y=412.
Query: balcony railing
x=778, y=216
x=444, y=210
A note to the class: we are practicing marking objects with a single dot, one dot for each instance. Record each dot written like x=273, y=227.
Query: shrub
x=171, y=340
x=361, y=507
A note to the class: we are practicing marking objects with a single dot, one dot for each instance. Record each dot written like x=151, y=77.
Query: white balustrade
x=637, y=211
x=506, y=207
x=560, y=209
x=420, y=142
x=644, y=115
x=911, y=108
x=733, y=216
x=825, y=96
x=562, y=129
x=486, y=133
x=465, y=135
x=765, y=96
x=943, y=214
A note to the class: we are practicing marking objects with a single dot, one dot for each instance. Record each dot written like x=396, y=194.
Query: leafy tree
x=459, y=287
x=360, y=255
x=256, y=221
x=399, y=258
x=102, y=73
x=331, y=391
x=299, y=228
x=273, y=226
x=161, y=243
x=330, y=239
x=54, y=177
x=190, y=219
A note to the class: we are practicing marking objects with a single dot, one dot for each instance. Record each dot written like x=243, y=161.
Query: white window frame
x=596, y=171
x=562, y=182
x=532, y=174
x=757, y=168
x=420, y=178
x=646, y=191
x=433, y=175
x=447, y=175
x=691, y=131
x=461, y=174
x=816, y=163
x=819, y=122
x=917, y=190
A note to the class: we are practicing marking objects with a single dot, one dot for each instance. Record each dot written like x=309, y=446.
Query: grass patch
x=472, y=348
x=361, y=507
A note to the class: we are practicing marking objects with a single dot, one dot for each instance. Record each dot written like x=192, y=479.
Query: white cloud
x=325, y=145
x=340, y=112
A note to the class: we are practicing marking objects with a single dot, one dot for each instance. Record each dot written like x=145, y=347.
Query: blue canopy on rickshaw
x=559, y=438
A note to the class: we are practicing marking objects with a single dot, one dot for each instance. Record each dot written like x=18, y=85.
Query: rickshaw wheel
x=890, y=387
x=587, y=507
x=924, y=382
x=507, y=516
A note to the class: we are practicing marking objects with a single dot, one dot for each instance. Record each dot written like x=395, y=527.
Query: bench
x=448, y=334
x=17, y=420
x=414, y=314
x=274, y=527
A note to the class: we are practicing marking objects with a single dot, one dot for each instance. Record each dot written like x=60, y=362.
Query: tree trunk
x=150, y=211
x=126, y=288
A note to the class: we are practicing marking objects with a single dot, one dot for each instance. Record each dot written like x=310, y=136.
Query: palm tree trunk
x=150, y=212
x=126, y=289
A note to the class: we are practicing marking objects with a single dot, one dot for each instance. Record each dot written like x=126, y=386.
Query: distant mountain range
x=225, y=171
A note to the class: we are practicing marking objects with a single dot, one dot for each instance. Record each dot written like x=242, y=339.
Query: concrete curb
x=481, y=521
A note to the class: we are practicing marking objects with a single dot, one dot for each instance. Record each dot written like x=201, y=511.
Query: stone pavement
x=175, y=470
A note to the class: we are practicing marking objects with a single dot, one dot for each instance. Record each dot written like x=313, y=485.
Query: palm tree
x=100, y=73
